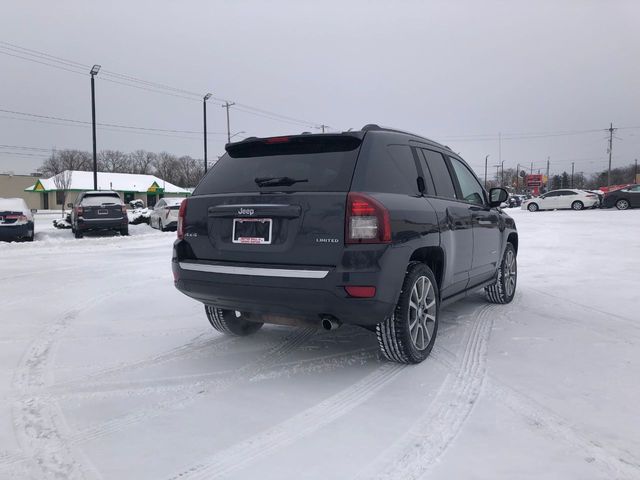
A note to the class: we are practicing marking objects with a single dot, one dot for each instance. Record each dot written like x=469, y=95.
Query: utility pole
x=486, y=159
x=500, y=147
x=611, y=130
x=323, y=126
x=517, y=177
x=572, y=167
x=94, y=71
x=502, y=174
x=497, y=173
x=635, y=172
x=531, y=168
x=227, y=105
x=548, y=161
x=204, y=114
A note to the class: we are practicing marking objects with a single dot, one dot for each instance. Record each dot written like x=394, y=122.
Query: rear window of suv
x=308, y=164
x=98, y=200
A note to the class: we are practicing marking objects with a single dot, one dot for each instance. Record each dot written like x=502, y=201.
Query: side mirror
x=497, y=196
x=69, y=205
x=34, y=210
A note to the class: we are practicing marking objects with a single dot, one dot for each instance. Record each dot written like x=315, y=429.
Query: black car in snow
x=376, y=227
x=99, y=210
x=628, y=197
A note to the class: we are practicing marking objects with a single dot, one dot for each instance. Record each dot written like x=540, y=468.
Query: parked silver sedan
x=164, y=215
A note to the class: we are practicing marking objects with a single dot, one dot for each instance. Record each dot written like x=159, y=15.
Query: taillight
x=124, y=210
x=79, y=211
x=181, y=214
x=367, y=220
x=17, y=218
x=277, y=140
x=591, y=196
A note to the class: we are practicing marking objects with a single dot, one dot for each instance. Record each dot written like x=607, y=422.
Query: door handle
x=485, y=222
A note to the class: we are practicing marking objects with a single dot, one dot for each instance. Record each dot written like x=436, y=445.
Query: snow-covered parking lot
x=106, y=371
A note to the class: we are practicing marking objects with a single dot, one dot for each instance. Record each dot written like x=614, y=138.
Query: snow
x=106, y=371
x=14, y=205
x=121, y=182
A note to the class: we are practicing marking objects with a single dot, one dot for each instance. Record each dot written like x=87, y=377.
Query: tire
x=77, y=233
x=410, y=333
x=504, y=289
x=622, y=204
x=577, y=205
x=124, y=232
x=532, y=207
x=226, y=321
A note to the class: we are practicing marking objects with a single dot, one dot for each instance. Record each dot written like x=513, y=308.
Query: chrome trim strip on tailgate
x=255, y=271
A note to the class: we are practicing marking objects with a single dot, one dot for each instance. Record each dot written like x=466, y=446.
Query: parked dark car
x=99, y=210
x=628, y=197
x=377, y=228
x=16, y=220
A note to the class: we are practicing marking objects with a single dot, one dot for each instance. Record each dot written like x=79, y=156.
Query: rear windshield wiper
x=278, y=181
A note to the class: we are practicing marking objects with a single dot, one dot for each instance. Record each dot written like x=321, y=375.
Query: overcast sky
x=458, y=72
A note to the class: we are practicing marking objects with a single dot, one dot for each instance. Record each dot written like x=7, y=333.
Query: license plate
x=254, y=231
x=103, y=212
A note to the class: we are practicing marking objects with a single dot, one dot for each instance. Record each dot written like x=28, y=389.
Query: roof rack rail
x=374, y=127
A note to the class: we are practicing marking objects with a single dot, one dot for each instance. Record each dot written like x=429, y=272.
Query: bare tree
x=113, y=161
x=61, y=160
x=167, y=167
x=190, y=171
x=62, y=182
x=141, y=161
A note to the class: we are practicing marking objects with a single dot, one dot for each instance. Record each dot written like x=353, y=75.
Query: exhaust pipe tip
x=329, y=323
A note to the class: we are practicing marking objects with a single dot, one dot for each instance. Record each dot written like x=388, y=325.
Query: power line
x=114, y=125
x=130, y=81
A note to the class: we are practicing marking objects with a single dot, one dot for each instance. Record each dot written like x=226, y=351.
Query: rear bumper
x=309, y=293
x=85, y=224
x=16, y=232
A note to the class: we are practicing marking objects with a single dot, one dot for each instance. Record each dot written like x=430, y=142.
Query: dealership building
x=43, y=194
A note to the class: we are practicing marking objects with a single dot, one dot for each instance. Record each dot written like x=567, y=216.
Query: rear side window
x=302, y=164
x=440, y=173
x=388, y=170
x=97, y=200
x=470, y=188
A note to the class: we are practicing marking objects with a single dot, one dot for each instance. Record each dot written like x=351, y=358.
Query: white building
x=130, y=186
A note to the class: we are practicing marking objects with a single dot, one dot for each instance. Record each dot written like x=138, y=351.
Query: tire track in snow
x=416, y=451
x=617, y=464
x=192, y=393
x=254, y=448
x=38, y=421
x=189, y=349
x=138, y=388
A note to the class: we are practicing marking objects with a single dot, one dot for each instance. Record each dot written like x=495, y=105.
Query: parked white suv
x=164, y=215
x=559, y=199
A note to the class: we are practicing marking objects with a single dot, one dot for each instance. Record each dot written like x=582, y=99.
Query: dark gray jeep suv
x=377, y=228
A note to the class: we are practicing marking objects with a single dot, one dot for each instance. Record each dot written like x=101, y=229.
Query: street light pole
x=486, y=159
x=204, y=117
x=94, y=71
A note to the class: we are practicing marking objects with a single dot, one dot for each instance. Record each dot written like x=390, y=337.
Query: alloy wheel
x=422, y=312
x=510, y=273
x=622, y=204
